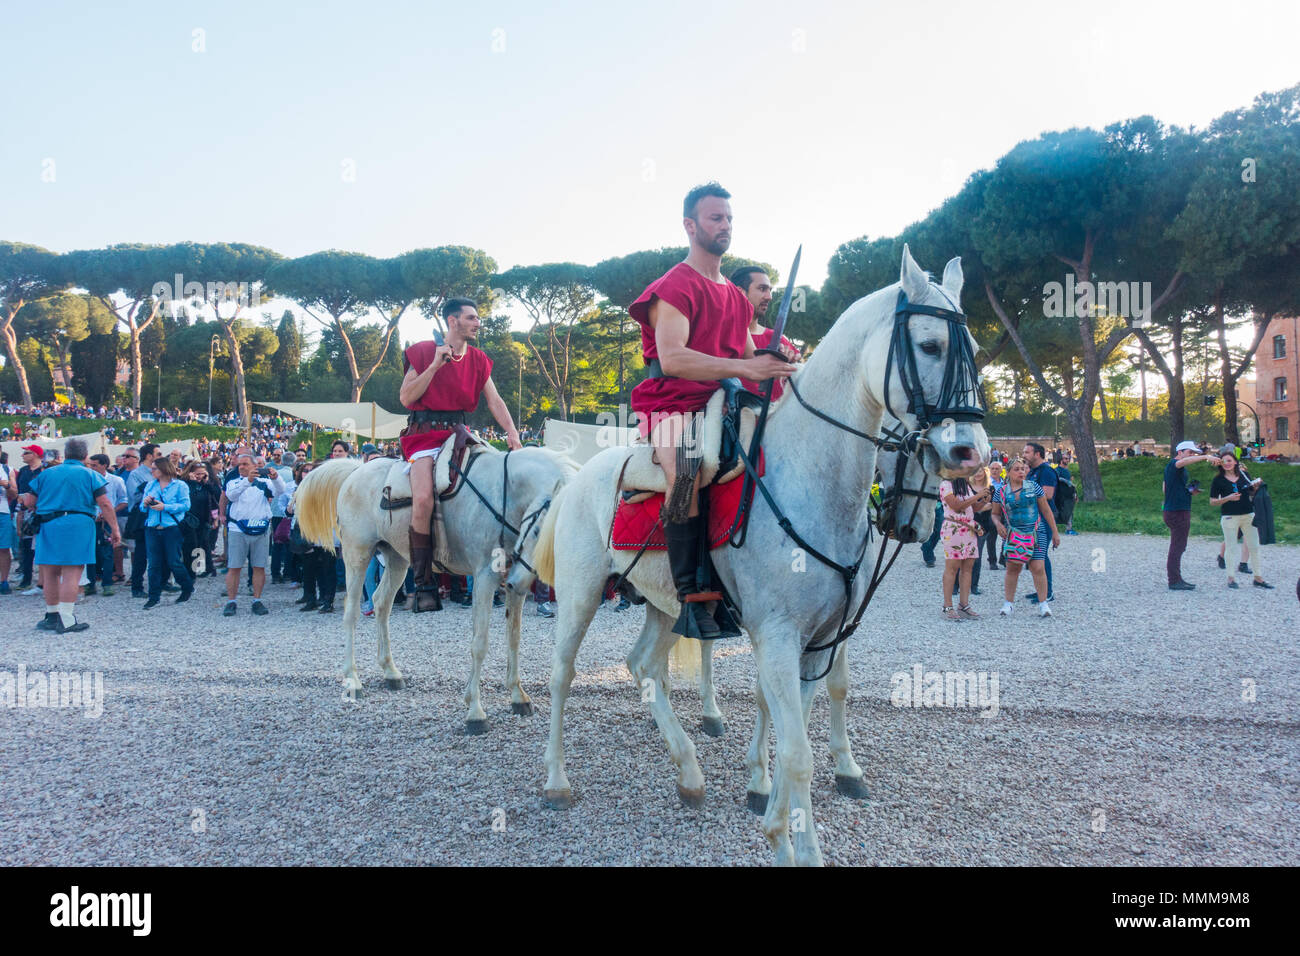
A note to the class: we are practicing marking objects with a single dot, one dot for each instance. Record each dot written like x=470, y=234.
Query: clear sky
x=569, y=131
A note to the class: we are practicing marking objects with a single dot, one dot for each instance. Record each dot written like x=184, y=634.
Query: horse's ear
x=915, y=281
x=952, y=277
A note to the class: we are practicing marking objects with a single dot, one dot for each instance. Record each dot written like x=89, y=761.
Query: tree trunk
x=1177, y=412
x=1177, y=390
x=1231, y=429
x=1085, y=451
x=237, y=372
x=1015, y=389
x=1142, y=376
x=136, y=371
x=11, y=348
x=1101, y=397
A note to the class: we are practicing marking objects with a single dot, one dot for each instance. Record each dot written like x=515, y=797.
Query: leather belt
x=424, y=416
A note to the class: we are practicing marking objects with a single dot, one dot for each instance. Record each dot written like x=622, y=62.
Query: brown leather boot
x=426, y=585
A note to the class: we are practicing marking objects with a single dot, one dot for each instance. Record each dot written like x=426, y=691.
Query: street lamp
x=158, y=405
x=520, y=416
x=212, y=357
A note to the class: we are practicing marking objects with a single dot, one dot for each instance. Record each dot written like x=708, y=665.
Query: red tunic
x=455, y=387
x=761, y=341
x=719, y=314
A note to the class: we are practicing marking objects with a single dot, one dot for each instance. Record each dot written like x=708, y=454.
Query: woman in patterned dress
x=960, y=543
x=1020, y=506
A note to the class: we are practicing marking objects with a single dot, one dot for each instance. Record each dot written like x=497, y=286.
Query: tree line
x=1093, y=258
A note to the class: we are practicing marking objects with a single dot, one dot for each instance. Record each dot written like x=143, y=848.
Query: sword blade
x=778, y=327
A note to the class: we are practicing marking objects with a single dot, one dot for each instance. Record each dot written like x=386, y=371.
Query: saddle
x=641, y=475
x=462, y=448
x=642, y=486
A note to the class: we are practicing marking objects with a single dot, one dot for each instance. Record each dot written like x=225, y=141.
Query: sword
x=774, y=348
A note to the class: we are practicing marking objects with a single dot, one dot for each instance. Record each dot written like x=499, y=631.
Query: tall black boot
x=684, y=560
x=426, y=585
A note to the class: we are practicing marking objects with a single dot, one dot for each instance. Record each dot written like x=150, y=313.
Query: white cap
x=1187, y=446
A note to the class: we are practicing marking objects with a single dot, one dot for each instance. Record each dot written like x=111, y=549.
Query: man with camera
x=248, y=527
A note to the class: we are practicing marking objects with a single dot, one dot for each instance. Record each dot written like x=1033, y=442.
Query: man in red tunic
x=694, y=331
x=757, y=286
x=442, y=385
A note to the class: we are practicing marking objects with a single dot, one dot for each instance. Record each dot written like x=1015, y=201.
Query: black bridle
x=960, y=398
x=526, y=523
x=908, y=444
x=955, y=403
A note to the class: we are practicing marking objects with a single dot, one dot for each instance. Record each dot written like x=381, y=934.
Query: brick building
x=1277, y=387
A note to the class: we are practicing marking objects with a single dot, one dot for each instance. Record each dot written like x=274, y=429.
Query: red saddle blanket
x=634, y=522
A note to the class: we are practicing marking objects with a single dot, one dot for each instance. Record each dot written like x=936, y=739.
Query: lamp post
x=212, y=358
x=520, y=413
x=1259, y=432
x=157, y=410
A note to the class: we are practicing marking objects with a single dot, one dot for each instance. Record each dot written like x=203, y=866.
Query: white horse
x=906, y=514
x=788, y=599
x=344, y=495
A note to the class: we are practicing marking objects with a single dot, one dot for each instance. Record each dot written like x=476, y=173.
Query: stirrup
x=426, y=599
x=696, y=622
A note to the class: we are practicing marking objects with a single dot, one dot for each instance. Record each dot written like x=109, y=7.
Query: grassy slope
x=1133, y=498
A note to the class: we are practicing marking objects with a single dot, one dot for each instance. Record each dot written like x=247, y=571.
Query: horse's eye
x=930, y=348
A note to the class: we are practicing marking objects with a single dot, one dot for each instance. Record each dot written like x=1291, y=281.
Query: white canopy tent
x=362, y=418
x=583, y=442
x=96, y=444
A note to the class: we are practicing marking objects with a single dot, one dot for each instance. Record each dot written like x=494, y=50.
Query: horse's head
x=542, y=472
x=907, y=491
x=918, y=361
x=522, y=571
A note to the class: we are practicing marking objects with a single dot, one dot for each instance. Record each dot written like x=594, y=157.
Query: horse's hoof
x=694, y=799
x=522, y=710
x=851, y=787
x=353, y=693
x=713, y=726
x=557, y=799
x=395, y=683
x=475, y=727
x=756, y=802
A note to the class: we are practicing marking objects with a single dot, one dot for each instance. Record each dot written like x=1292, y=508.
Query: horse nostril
x=963, y=452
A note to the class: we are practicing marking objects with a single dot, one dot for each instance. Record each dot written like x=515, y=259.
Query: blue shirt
x=1177, y=497
x=1044, y=476
x=67, y=487
x=175, y=499
x=1020, y=509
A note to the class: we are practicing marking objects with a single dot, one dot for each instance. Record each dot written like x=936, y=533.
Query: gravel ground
x=1122, y=736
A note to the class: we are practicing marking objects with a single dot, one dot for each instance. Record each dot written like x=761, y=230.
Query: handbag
x=1020, y=544
x=135, y=523
x=297, y=543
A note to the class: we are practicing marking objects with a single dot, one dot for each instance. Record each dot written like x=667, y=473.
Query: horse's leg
x=789, y=809
x=711, y=722
x=382, y=599
x=351, y=611
x=649, y=662
x=520, y=702
x=848, y=775
x=760, y=781
x=575, y=607
x=355, y=559
x=485, y=579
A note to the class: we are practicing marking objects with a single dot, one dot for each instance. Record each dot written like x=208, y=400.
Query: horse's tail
x=544, y=550
x=684, y=658
x=315, y=503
